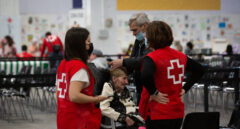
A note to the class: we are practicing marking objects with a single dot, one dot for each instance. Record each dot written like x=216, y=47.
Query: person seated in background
x=189, y=48
x=2, y=43
x=24, y=53
x=33, y=48
x=97, y=58
x=229, y=50
x=24, y=56
x=178, y=46
x=55, y=58
x=100, y=75
x=120, y=106
x=8, y=47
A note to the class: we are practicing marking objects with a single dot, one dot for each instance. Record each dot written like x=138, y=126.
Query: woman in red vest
x=162, y=75
x=76, y=103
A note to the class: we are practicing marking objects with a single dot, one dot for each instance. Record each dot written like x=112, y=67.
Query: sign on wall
x=34, y=27
x=77, y=18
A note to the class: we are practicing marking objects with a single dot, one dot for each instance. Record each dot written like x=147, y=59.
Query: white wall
x=230, y=6
x=9, y=9
x=45, y=6
x=98, y=16
x=110, y=45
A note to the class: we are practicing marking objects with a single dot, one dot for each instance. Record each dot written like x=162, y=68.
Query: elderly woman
x=120, y=106
x=162, y=76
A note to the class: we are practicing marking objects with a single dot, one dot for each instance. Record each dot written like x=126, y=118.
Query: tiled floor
x=47, y=120
x=41, y=121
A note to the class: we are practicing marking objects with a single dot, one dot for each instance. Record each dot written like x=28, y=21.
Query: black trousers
x=164, y=124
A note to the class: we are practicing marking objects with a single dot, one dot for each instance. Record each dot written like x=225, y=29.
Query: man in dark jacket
x=138, y=24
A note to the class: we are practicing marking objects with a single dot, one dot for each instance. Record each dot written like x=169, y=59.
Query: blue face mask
x=139, y=36
x=146, y=43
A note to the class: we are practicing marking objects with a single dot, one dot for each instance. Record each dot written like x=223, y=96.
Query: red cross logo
x=62, y=86
x=175, y=71
x=51, y=38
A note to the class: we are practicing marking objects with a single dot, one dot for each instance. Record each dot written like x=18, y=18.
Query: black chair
x=235, y=117
x=108, y=123
x=201, y=120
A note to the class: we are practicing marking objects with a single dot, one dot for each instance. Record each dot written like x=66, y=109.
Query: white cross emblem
x=63, y=85
x=51, y=38
x=178, y=67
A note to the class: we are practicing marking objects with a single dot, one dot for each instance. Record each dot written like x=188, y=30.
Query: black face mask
x=90, y=49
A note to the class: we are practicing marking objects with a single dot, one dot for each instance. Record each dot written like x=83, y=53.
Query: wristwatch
x=156, y=92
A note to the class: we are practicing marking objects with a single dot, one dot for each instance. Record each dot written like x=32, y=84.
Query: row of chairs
x=21, y=93
x=220, y=83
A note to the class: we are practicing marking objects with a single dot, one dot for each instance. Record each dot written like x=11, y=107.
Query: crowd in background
x=43, y=48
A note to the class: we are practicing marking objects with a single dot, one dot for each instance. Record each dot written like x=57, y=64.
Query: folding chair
x=108, y=123
x=201, y=120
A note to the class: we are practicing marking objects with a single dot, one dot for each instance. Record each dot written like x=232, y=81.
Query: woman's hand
x=129, y=121
x=182, y=94
x=100, y=98
x=160, y=98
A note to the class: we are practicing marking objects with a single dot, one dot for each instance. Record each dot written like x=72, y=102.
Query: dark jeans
x=164, y=124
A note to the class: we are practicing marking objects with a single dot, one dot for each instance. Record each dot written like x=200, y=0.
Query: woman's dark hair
x=159, y=34
x=190, y=45
x=229, y=49
x=9, y=40
x=24, y=47
x=75, y=46
x=48, y=33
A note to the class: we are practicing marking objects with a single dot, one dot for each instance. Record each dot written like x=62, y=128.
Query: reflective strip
x=11, y=67
x=2, y=66
x=32, y=64
x=7, y=69
x=20, y=65
x=26, y=63
x=17, y=68
x=14, y=68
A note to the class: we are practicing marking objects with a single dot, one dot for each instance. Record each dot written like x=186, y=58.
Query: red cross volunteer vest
x=50, y=42
x=73, y=115
x=168, y=77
